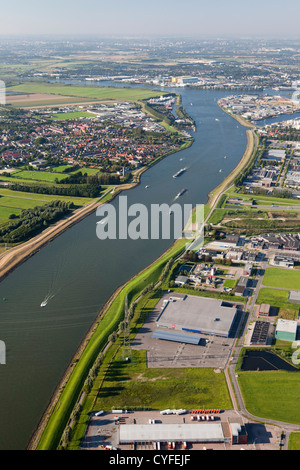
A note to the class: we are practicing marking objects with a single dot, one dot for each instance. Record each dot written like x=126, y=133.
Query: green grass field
x=91, y=92
x=283, y=278
x=136, y=386
x=46, y=176
x=230, y=283
x=39, y=199
x=5, y=212
x=294, y=441
x=277, y=298
x=75, y=115
x=272, y=394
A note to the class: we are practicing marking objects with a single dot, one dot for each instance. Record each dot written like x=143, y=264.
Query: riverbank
x=252, y=144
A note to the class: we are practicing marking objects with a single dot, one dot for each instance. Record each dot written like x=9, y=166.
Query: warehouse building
x=286, y=330
x=197, y=315
x=232, y=433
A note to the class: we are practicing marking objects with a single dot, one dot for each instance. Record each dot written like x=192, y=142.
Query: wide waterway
x=82, y=272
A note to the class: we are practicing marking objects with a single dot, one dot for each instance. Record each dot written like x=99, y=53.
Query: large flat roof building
x=197, y=314
x=230, y=432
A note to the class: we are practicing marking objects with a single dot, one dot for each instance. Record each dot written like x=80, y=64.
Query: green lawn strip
x=217, y=216
x=13, y=202
x=261, y=199
x=271, y=394
x=284, y=278
x=19, y=203
x=107, y=325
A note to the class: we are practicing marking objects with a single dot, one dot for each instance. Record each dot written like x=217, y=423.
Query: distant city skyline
x=258, y=18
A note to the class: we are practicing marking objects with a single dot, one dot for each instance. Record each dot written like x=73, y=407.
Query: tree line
x=32, y=221
x=74, y=190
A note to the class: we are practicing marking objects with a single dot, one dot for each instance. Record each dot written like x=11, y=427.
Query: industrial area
x=183, y=331
x=189, y=331
x=170, y=430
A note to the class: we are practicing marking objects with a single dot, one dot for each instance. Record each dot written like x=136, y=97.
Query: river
x=82, y=271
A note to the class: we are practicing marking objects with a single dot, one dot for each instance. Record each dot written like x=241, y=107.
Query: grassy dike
x=58, y=413
x=57, y=416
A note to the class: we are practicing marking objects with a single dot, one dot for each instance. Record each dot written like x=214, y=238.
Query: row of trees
x=74, y=190
x=32, y=221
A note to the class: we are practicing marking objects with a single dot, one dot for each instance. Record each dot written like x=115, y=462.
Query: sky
x=255, y=18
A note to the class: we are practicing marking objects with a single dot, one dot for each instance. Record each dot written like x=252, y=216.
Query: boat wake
x=47, y=299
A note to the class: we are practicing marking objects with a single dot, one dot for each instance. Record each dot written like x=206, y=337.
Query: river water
x=81, y=272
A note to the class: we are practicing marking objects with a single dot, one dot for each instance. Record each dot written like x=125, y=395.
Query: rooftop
x=203, y=432
x=289, y=326
x=197, y=314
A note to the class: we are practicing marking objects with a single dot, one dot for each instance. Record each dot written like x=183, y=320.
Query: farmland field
x=86, y=92
x=40, y=99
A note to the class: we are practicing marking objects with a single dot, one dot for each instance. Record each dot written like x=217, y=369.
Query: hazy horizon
x=136, y=18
